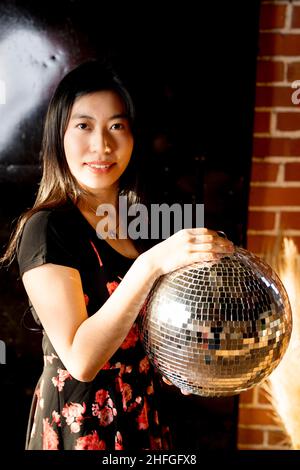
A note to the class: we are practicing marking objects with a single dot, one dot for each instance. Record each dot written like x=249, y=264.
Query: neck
x=89, y=205
x=102, y=196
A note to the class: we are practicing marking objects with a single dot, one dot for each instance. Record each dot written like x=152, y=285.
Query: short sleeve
x=45, y=239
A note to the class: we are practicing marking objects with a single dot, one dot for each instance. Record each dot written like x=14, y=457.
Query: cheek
x=129, y=149
x=127, y=156
x=70, y=149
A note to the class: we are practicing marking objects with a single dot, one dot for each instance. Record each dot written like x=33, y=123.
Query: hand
x=188, y=246
x=170, y=383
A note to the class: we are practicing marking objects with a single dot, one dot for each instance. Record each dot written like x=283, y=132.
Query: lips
x=99, y=162
x=100, y=166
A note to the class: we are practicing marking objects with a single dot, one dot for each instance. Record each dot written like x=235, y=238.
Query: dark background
x=191, y=69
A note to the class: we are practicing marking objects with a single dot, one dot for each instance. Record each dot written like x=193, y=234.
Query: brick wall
x=274, y=205
x=259, y=429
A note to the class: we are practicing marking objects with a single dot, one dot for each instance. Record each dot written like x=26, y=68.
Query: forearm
x=99, y=336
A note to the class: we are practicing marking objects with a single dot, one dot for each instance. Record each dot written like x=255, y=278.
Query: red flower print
x=50, y=438
x=49, y=359
x=118, y=441
x=40, y=399
x=111, y=286
x=150, y=389
x=59, y=381
x=73, y=414
x=144, y=365
x=75, y=427
x=56, y=418
x=142, y=419
x=166, y=438
x=134, y=405
x=131, y=338
x=106, y=366
x=106, y=416
x=156, y=420
x=86, y=299
x=110, y=403
x=103, y=408
x=156, y=444
x=126, y=394
x=95, y=409
x=90, y=442
x=101, y=396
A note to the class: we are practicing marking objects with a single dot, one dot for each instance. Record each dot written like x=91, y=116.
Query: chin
x=97, y=185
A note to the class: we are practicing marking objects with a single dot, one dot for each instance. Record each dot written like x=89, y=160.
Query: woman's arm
x=85, y=344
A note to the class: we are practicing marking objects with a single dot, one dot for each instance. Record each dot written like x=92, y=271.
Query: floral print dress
x=118, y=409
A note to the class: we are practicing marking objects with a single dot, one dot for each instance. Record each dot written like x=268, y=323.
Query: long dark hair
x=58, y=185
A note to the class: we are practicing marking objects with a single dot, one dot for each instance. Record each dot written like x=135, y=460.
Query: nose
x=101, y=143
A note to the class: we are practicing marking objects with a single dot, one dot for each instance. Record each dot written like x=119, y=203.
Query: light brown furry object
x=284, y=382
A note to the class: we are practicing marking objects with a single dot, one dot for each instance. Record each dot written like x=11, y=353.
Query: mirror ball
x=217, y=328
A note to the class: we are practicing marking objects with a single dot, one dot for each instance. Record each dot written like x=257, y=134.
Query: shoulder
x=56, y=218
x=37, y=222
x=46, y=238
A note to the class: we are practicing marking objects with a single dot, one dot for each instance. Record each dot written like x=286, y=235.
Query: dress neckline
x=93, y=232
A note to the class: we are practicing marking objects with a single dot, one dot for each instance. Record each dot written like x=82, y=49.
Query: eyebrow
x=86, y=116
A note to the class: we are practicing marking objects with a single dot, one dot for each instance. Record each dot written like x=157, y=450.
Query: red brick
x=261, y=220
x=264, y=171
x=247, y=396
x=266, y=196
x=255, y=416
x=272, y=16
x=263, y=397
x=269, y=71
x=271, y=44
x=250, y=436
x=278, y=438
x=263, y=244
x=262, y=122
x=296, y=17
x=290, y=220
x=288, y=121
x=293, y=71
x=292, y=172
x=273, y=95
x=277, y=146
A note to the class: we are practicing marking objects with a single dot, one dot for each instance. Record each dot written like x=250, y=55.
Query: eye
x=82, y=125
x=118, y=126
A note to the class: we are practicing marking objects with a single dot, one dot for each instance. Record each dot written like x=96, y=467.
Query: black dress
x=118, y=409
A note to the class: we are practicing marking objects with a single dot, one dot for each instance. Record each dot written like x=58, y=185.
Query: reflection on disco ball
x=217, y=328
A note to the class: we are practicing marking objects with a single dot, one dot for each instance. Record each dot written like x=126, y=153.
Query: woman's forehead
x=99, y=101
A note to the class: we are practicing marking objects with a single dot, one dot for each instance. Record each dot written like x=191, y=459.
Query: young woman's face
x=98, y=141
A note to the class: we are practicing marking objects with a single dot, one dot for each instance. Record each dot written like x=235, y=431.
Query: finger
x=212, y=248
x=200, y=231
x=184, y=392
x=167, y=381
x=210, y=238
x=221, y=234
x=211, y=234
x=197, y=257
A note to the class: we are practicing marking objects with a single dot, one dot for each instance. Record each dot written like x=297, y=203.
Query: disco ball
x=217, y=328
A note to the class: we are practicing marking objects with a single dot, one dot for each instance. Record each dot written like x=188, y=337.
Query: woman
x=97, y=388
